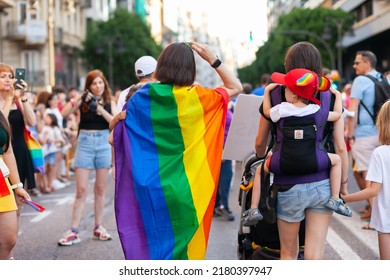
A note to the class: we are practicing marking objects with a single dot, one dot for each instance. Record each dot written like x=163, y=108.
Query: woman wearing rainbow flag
x=168, y=152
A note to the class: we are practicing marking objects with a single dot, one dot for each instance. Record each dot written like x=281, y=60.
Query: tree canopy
x=299, y=25
x=130, y=39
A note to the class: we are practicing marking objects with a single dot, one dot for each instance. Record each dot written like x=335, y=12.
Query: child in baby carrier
x=301, y=86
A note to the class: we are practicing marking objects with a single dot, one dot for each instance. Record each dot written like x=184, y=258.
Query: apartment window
x=363, y=11
x=25, y=13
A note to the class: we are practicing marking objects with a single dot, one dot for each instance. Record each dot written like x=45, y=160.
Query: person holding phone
x=19, y=112
x=10, y=183
x=93, y=152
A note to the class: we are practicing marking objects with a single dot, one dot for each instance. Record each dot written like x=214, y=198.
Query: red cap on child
x=302, y=82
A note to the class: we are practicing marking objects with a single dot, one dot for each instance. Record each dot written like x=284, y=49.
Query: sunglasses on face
x=357, y=62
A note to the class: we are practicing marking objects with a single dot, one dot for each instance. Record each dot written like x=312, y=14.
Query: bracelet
x=24, y=100
x=346, y=181
x=73, y=102
x=351, y=138
x=17, y=185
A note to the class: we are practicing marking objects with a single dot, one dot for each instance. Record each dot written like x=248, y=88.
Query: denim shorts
x=93, y=150
x=292, y=204
x=50, y=158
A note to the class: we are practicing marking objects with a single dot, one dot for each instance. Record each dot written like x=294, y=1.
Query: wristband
x=24, y=100
x=346, y=181
x=351, y=138
x=17, y=185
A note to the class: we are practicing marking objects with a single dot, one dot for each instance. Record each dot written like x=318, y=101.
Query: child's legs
x=384, y=245
x=256, y=190
x=335, y=174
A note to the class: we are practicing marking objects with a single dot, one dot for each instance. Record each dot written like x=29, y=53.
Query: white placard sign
x=240, y=142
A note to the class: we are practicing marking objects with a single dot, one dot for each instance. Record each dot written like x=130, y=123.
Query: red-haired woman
x=93, y=152
x=9, y=171
x=19, y=113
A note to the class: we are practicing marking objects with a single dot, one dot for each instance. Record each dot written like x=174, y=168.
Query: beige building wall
x=25, y=41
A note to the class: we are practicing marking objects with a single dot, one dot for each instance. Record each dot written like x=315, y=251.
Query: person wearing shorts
x=304, y=195
x=362, y=133
x=93, y=152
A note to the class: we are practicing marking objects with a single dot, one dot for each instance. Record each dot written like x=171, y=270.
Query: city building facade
x=370, y=31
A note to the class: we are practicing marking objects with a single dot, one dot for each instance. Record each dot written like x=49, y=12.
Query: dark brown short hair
x=303, y=55
x=176, y=65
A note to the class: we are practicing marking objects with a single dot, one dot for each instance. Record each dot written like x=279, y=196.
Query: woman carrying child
x=301, y=86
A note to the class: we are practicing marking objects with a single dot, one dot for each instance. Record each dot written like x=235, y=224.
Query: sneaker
x=100, y=233
x=216, y=213
x=224, y=213
x=69, y=239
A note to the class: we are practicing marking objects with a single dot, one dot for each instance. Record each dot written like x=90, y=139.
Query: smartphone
x=20, y=74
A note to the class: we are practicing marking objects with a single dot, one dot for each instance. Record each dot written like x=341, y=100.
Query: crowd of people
x=133, y=132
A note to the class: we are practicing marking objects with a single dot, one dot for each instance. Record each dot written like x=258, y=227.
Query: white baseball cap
x=145, y=65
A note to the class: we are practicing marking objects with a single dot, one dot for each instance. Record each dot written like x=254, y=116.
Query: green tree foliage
x=270, y=56
x=130, y=38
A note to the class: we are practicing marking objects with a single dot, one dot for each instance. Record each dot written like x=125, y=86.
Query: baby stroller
x=261, y=241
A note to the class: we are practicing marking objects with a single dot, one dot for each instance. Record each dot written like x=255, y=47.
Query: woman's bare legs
x=289, y=241
x=8, y=233
x=99, y=191
x=82, y=182
x=315, y=235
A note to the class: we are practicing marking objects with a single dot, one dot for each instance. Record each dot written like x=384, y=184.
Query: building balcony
x=32, y=32
x=6, y=4
x=368, y=27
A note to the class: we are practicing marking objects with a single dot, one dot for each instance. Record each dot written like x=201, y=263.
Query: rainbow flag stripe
x=167, y=157
x=35, y=151
x=305, y=79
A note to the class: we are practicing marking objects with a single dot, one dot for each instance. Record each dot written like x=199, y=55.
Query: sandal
x=338, y=206
x=251, y=216
x=368, y=226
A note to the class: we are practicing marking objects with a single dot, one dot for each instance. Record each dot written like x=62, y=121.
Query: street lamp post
x=110, y=43
x=2, y=12
x=339, y=26
x=50, y=23
x=110, y=71
x=321, y=40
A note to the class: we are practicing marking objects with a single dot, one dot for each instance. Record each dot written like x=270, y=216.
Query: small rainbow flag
x=35, y=151
x=167, y=156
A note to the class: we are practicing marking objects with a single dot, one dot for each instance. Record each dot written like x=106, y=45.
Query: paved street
x=39, y=232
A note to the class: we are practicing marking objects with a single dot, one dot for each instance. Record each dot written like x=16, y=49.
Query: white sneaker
x=57, y=185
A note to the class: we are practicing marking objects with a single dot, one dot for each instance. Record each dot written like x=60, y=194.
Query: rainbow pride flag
x=35, y=150
x=167, y=160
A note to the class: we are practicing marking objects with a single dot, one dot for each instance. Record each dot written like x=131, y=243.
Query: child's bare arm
x=118, y=117
x=337, y=108
x=267, y=99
